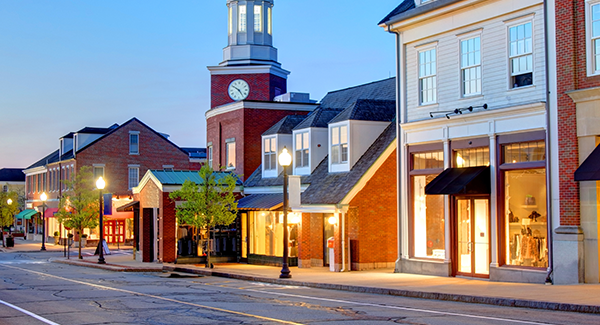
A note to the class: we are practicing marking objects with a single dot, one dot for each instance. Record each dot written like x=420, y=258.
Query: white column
x=447, y=212
x=493, y=202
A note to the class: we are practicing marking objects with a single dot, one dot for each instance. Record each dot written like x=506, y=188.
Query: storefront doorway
x=114, y=231
x=473, y=236
x=328, y=232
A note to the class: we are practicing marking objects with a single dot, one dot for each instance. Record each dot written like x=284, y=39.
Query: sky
x=65, y=65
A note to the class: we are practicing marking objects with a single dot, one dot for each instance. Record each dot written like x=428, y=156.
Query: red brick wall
x=375, y=227
x=113, y=151
x=246, y=126
x=262, y=87
x=168, y=229
x=571, y=73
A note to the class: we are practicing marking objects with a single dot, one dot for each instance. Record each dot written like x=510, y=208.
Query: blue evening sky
x=65, y=64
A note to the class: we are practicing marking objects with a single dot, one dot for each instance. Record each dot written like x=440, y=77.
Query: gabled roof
x=368, y=110
x=331, y=188
x=178, y=177
x=403, y=7
x=51, y=158
x=285, y=125
x=195, y=152
x=318, y=118
x=341, y=99
x=407, y=9
x=12, y=175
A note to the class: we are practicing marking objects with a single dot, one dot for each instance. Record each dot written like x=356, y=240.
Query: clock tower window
x=242, y=18
x=258, y=19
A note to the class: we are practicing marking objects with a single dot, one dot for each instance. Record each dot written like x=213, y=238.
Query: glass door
x=473, y=236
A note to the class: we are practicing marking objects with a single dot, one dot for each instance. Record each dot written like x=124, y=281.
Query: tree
x=208, y=204
x=78, y=207
x=8, y=211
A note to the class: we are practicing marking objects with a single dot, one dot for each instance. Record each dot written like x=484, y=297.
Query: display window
x=266, y=233
x=428, y=224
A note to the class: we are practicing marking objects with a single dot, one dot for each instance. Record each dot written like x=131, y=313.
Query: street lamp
x=43, y=197
x=9, y=202
x=100, y=185
x=285, y=159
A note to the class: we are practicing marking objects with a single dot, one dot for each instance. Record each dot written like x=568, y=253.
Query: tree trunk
x=79, y=233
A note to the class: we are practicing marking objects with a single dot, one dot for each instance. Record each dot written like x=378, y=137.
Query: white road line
x=38, y=317
x=395, y=307
x=156, y=297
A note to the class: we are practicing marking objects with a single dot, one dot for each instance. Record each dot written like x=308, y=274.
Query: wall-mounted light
x=332, y=220
x=457, y=111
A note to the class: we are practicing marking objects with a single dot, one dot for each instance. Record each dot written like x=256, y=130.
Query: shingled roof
x=285, y=125
x=407, y=9
x=12, y=175
x=368, y=110
x=403, y=7
x=331, y=188
x=51, y=158
x=341, y=99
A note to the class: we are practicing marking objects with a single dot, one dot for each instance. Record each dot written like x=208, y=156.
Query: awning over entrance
x=26, y=214
x=590, y=168
x=50, y=212
x=261, y=202
x=467, y=180
x=128, y=207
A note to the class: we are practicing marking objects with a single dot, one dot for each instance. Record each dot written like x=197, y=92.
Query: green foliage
x=208, y=204
x=8, y=211
x=79, y=207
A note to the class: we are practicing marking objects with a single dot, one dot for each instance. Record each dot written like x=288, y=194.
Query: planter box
x=270, y=260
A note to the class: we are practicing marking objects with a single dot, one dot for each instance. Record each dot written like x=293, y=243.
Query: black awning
x=260, y=202
x=128, y=207
x=467, y=180
x=590, y=168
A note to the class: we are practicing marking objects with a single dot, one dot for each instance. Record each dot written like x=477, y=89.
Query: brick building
x=120, y=154
x=473, y=139
x=342, y=185
x=244, y=87
x=577, y=123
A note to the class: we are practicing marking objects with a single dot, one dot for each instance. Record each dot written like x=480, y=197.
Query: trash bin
x=10, y=241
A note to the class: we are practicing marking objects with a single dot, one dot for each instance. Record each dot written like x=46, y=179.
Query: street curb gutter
x=109, y=267
x=506, y=302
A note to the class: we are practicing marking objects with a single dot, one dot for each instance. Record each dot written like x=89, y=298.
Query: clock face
x=238, y=89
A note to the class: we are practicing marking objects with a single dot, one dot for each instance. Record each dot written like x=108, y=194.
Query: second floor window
x=209, y=156
x=427, y=77
x=521, y=55
x=270, y=154
x=134, y=176
x=470, y=66
x=258, y=18
x=134, y=143
x=242, y=19
x=230, y=155
x=594, y=38
x=301, y=149
x=339, y=144
x=98, y=171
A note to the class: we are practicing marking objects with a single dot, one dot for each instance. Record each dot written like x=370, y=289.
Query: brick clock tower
x=249, y=70
x=243, y=89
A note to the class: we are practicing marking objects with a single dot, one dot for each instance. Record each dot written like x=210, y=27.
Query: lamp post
x=9, y=202
x=43, y=197
x=285, y=159
x=100, y=185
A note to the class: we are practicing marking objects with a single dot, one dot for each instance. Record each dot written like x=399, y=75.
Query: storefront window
x=526, y=226
x=472, y=157
x=428, y=210
x=266, y=233
x=524, y=152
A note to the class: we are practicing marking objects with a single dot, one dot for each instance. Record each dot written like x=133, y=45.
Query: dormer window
x=242, y=18
x=339, y=144
x=270, y=154
x=134, y=143
x=301, y=149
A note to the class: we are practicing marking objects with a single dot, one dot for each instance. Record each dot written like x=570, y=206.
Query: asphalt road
x=35, y=291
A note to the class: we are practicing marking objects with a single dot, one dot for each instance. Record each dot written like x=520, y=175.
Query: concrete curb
x=108, y=267
x=506, y=302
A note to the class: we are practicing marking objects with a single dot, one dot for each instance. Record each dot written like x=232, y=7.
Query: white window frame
x=427, y=73
x=520, y=55
x=258, y=18
x=268, y=153
x=270, y=22
x=209, y=154
x=592, y=58
x=302, y=149
x=230, y=16
x=242, y=18
x=338, y=145
x=131, y=135
x=470, y=63
x=136, y=176
x=230, y=154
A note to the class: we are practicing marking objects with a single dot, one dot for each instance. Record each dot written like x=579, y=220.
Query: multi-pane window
x=339, y=144
x=230, y=20
x=301, y=149
x=134, y=143
x=594, y=34
x=428, y=160
x=427, y=76
x=270, y=154
x=472, y=157
x=524, y=152
x=521, y=55
x=230, y=155
x=242, y=18
x=209, y=155
x=5, y=188
x=270, y=22
x=98, y=172
x=258, y=18
x=134, y=176
x=470, y=66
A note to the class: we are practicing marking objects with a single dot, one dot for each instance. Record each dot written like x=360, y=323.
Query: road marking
x=38, y=317
x=391, y=307
x=156, y=297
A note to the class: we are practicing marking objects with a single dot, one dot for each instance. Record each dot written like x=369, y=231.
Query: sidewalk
x=574, y=298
